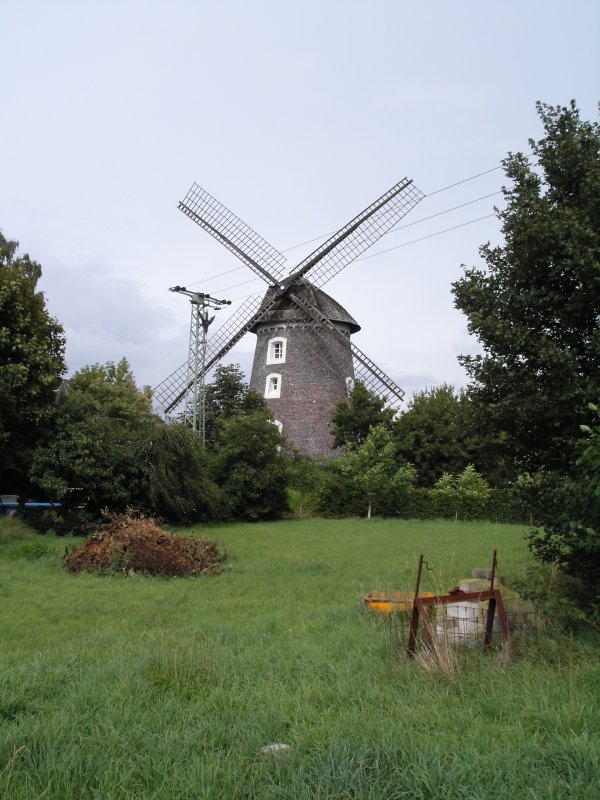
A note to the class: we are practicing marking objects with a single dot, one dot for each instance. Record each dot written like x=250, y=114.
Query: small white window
x=273, y=385
x=349, y=386
x=276, y=350
x=278, y=425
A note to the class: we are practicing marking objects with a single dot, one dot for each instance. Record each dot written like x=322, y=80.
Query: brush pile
x=128, y=545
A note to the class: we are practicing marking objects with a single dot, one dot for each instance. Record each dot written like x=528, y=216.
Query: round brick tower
x=301, y=369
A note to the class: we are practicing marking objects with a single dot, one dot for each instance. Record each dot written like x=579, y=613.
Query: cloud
x=107, y=317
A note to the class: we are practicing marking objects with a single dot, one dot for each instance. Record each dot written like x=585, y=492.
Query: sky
x=294, y=115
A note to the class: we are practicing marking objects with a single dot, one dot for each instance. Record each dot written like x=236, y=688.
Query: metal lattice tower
x=194, y=413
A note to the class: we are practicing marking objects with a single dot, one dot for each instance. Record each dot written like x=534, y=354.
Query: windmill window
x=276, y=350
x=273, y=385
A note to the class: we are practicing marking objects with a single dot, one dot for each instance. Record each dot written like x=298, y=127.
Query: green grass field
x=132, y=687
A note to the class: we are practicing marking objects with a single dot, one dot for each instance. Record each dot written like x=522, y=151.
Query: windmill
x=304, y=361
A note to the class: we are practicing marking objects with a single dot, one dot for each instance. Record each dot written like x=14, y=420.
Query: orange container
x=389, y=602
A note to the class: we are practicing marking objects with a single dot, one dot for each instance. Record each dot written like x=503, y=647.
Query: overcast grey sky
x=296, y=116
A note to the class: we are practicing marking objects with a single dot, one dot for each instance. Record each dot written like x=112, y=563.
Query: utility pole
x=195, y=399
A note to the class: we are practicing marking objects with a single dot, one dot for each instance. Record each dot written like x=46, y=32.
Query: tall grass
x=130, y=687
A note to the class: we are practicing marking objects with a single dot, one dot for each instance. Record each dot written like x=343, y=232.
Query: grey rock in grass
x=276, y=749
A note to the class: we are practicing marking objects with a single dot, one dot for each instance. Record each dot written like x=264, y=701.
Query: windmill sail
x=358, y=235
x=238, y=237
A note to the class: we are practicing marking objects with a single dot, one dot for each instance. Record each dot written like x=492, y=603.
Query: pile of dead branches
x=128, y=545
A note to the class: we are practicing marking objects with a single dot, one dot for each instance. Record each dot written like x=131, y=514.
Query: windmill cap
x=286, y=310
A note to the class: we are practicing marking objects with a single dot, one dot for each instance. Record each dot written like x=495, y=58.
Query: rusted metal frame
x=503, y=619
x=419, y=610
x=491, y=610
x=422, y=613
x=414, y=617
x=447, y=599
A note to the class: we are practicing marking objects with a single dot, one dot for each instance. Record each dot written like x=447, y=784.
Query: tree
x=110, y=389
x=536, y=309
x=226, y=397
x=32, y=360
x=249, y=467
x=571, y=540
x=174, y=476
x=353, y=420
x=465, y=494
x=373, y=469
x=107, y=450
x=305, y=476
x=433, y=433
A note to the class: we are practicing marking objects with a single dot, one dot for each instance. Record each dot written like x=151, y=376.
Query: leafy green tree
x=535, y=310
x=31, y=362
x=305, y=476
x=227, y=396
x=353, y=420
x=110, y=389
x=174, y=480
x=433, y=433
x=249, y=467
x=107, y=450
x=373, y=469
x=465, y=494
x=571, y=540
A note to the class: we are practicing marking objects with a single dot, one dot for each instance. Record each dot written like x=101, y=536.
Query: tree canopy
x=536, y=308
x=107, y=450
x=571, y=537
x=353, y=419
x=249, y=468
x=32, y=360
x=227, y=396
x=433, y=433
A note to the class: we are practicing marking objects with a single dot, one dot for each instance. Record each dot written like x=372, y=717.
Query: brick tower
x=301, y=369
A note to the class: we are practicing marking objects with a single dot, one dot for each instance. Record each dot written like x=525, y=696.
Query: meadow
x=133, y=687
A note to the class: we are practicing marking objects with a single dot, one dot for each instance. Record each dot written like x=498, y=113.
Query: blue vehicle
x=11, y=503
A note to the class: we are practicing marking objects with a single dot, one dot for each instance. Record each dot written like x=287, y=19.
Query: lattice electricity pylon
x=194, y=413
x=326, y=261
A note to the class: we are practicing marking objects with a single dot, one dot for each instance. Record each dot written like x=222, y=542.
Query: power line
x=397, y=247
x=430, y=194
x=458, y=183
x=235, y=285
x=401, y=227
x=212, y=277
x=447, y=211
x=422, y=238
